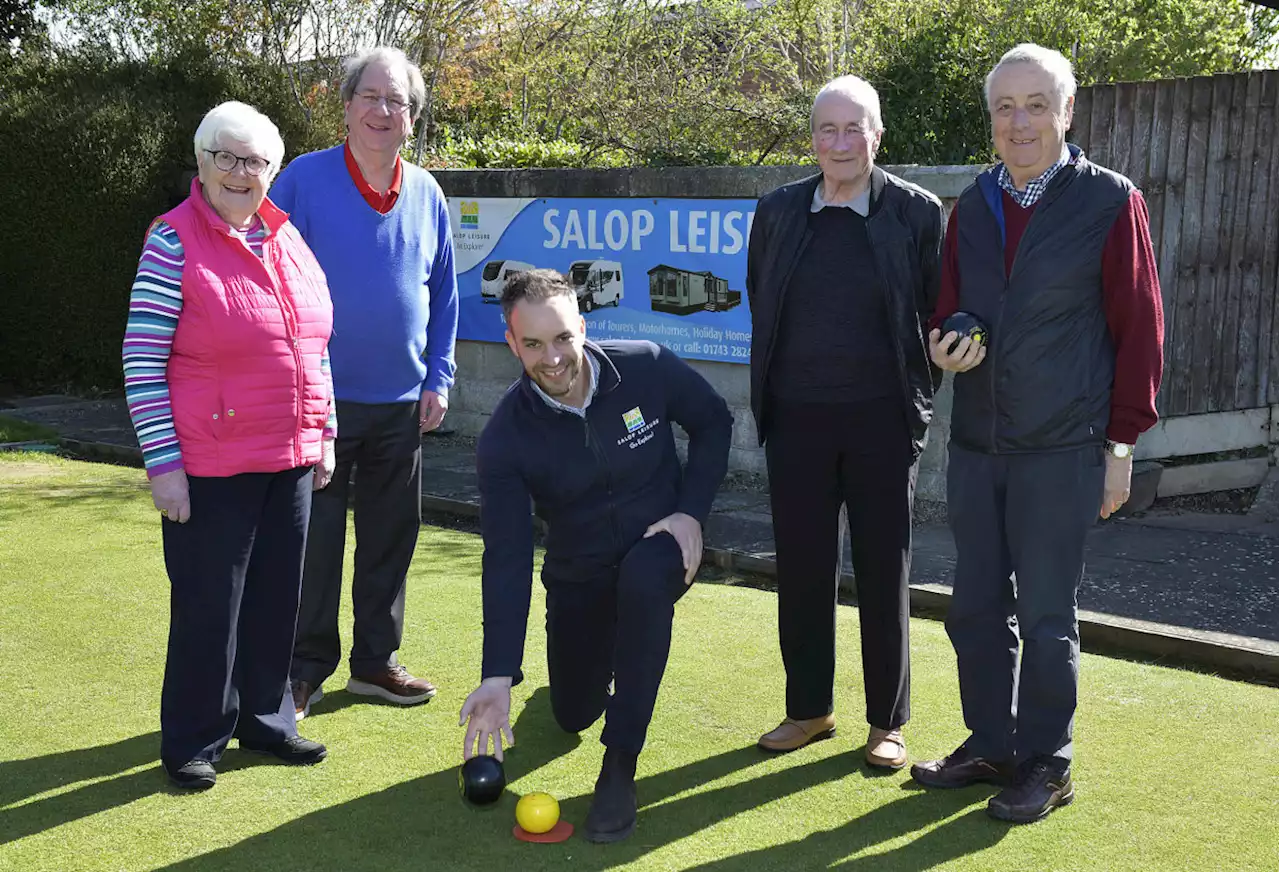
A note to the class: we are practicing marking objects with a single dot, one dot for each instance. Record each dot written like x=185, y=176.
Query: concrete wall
x=486, y=369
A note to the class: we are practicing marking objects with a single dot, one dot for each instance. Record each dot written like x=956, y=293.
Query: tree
x=603, y=82
x=17, y=20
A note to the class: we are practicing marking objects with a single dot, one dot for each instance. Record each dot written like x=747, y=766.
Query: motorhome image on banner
x=671, y=271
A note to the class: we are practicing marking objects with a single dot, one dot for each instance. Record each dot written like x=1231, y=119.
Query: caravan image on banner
x=671, y=271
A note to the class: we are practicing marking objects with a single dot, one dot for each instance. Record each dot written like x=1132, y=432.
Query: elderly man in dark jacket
x=1053, y=253
x=842, y=274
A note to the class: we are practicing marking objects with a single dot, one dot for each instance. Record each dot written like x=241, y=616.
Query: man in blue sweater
x=380, y=229
x=586, y=435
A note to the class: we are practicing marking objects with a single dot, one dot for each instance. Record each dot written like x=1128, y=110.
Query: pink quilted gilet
x=245, y=381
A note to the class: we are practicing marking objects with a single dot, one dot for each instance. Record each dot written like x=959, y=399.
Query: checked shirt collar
x=1036, y=187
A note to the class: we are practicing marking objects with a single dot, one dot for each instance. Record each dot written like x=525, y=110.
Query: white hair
x=394, y=59
x=243, y=123
x=1052, y=62
x=855, y=89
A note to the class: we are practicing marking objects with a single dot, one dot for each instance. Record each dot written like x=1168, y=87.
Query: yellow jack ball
x=537, y=812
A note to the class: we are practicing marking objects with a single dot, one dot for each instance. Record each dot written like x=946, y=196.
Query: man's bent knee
x=576, y=715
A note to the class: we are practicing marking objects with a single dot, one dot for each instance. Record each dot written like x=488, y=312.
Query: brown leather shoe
x=792, y=734
x=394, y=684
x=886, y=749
x=304, y=695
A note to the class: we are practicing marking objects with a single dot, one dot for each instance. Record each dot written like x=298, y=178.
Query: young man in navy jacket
x=586, y=435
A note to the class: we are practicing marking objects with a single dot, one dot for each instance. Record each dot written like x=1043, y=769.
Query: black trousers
x=235, y=569
x=821, y=457
x=1023, y=515
x=613, y=627
x=383, y=443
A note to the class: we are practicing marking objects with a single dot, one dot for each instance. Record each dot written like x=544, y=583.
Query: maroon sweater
x=1130, y=295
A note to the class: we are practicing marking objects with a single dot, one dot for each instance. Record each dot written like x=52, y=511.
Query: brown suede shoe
x=886, y=749
x=304, y=695
x=792, y=734
x=394, y=684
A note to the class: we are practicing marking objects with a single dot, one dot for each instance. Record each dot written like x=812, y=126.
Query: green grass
x=16, y=430
x=1176, y=770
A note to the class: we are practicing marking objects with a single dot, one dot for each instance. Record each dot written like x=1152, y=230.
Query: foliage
x=659, y=82
x=17, y=430
x=94, y=148
x=674, y=82
x=17, y=20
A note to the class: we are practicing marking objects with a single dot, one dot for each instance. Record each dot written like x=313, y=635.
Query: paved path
x=1199, y=572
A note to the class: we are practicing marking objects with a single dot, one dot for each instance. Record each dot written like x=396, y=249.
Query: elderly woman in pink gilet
x=227, y=378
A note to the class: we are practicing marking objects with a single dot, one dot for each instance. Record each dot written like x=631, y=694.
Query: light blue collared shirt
x=593, y=374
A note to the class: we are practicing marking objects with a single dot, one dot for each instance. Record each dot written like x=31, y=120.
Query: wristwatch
x=1119, y=449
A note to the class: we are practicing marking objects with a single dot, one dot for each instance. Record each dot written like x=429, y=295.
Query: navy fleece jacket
x=597, y=482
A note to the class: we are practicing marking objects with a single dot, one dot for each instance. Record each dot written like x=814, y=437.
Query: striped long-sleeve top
x=154, y=307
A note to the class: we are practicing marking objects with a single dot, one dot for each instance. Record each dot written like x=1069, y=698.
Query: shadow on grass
x=23, y=779
x=967, y=834
x=422, y=823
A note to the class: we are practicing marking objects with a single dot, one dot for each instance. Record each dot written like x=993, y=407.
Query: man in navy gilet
x=1053, y=253
x=586, y=435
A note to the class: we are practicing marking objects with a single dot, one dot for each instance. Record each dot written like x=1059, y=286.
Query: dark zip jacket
x=597, y=483
x=904, y=225
x=1046, y=382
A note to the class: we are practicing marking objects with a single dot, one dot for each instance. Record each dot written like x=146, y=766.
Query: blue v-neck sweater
x=395, y=295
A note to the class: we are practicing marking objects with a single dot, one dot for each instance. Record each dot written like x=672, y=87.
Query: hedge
x=93, y=149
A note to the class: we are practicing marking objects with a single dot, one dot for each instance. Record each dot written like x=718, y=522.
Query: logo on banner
x=633, y=419
x=470, y=212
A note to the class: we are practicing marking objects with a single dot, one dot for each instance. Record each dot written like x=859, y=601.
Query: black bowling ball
x=481, y=780
x=965, y=324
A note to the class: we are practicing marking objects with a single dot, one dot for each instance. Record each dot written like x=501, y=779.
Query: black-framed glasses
x=226, y=161
x=394, y=105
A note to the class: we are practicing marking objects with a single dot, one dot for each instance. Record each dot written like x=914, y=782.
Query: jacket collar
x=273, y=217
x=609, y=379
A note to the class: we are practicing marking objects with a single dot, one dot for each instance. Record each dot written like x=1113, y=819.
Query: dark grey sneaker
x=295, y=750
x=612, y=816
x=1039, y=786
x=960, y=768
x=193, y=775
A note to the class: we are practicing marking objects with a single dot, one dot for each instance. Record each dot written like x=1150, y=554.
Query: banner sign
x=670, y=271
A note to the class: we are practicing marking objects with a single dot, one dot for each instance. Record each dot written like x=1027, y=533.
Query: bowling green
x=1176, y=770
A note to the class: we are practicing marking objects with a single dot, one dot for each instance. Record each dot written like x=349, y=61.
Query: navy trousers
x=1020, y=523
x=613, y=627
x=383, y=444
x=235, y=571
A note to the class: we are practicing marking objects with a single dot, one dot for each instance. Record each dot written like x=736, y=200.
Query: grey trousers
x=1020, y=523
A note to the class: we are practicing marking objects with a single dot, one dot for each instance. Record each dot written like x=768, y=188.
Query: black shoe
x=612, y=816
x=960, y=768
x=193, y=775
x=294, y=750
x=1040, y=785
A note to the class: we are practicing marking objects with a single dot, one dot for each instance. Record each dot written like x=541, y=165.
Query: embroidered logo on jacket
x=633, y=419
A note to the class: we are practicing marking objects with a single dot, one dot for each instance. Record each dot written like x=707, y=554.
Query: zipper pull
x=586, y=432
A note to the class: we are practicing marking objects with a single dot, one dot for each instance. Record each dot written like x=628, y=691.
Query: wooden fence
x=1203, y=150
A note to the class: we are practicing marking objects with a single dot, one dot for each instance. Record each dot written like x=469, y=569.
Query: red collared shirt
x=381, y=203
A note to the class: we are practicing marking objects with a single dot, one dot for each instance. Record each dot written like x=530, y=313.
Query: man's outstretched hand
x=487, y=715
